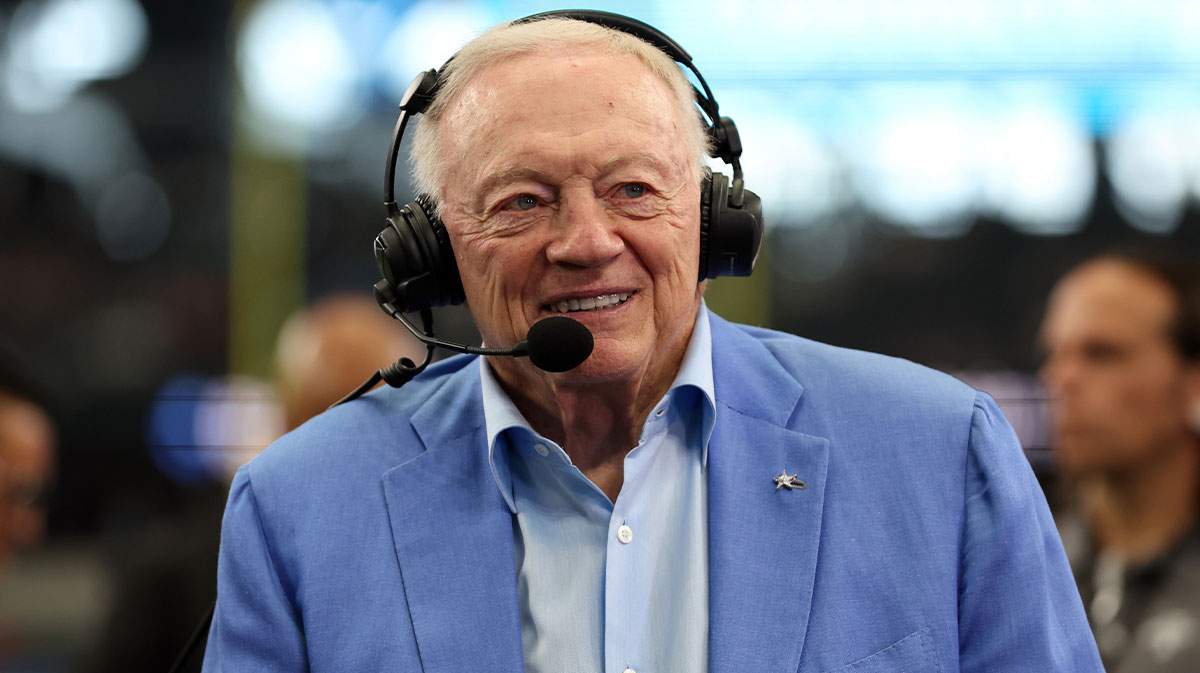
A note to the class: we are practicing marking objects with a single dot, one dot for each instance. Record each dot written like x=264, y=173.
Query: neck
x=1137, y=513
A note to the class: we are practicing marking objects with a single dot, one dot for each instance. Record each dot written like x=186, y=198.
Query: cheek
x=673, y=251
x=472, y=251
x=474, y=270
x=1149, y=390
x=1122, y=418
x=495, y=271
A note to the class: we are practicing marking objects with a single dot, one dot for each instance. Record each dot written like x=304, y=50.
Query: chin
x=605, y=364
x=592, y=372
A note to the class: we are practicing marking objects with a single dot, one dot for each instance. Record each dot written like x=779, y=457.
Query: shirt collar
x=500, y=414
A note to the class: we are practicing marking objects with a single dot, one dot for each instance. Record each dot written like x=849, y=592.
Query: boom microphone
x=554, y=344
x=558, y=343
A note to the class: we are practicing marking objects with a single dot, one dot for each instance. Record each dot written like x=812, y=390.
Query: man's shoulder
x=376, y=431
x=847, y=375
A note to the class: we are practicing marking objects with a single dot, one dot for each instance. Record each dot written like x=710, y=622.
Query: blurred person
x=689, y=495
x=166, y=580
x=28, y=449
x=1122, y=341
x=326, y=350
x=27, y=457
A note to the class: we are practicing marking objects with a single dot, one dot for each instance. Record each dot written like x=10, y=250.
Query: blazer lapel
x=763, y=540
x=453, y=537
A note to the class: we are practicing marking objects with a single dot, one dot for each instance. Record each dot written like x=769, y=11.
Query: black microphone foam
x=558, y=343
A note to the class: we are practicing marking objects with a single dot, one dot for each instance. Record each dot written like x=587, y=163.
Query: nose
x=584, y=234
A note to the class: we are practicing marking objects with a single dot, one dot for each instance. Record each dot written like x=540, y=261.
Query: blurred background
x=178, y=178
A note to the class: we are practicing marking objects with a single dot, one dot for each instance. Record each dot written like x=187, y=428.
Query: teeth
x=592, y=303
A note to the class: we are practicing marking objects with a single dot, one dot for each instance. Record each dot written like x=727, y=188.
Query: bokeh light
x=296, y=67
x=58, y=46
x=133, y=217
x=1037, y=170
x=1150, y=166
x=426, y=36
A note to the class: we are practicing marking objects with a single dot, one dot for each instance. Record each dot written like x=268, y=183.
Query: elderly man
x=695, y=496
x=1122, y=339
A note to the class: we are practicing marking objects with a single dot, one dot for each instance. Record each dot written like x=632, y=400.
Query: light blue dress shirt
x=607, y=586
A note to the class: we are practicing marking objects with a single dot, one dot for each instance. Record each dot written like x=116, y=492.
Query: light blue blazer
x=373, y=538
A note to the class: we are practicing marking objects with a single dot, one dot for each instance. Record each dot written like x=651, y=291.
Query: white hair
x=512, y=39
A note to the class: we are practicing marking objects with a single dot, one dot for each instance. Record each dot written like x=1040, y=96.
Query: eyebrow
x=637, y=158
x=513, y=174
x=518, y=173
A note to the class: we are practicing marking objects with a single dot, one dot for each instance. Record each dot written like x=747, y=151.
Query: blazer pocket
x=911, y=654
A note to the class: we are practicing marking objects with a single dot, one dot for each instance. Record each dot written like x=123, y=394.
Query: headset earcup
x=441, y=255
x=415, y=258
x=730, y=237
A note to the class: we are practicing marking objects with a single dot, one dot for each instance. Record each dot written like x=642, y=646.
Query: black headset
x=413, y=251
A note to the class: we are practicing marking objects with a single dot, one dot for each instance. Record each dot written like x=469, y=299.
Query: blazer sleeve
x=255, y=627
x=1019, y=609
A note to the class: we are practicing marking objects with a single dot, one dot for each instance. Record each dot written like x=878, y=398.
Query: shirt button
x=625, y=534
x=541, y=449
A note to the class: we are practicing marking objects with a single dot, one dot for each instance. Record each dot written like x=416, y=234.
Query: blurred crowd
x=163, y=578
x=1120, y=342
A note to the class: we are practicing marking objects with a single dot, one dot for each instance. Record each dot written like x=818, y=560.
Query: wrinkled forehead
x=571, y=92
x=545, y=84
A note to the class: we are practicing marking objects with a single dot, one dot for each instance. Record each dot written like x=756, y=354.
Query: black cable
x=401, y=371
x=200, y=632
x=361, y=390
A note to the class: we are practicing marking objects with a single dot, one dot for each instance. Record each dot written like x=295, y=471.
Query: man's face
x=1119, y=386
x=569, y=186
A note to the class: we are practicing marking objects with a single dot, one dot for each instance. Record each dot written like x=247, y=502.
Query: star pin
x=785, y=480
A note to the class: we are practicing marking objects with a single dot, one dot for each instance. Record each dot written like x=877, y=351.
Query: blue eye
x=634, y=190
x=526, y=202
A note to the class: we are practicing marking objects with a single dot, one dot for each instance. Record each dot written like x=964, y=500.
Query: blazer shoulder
x=885, y=419
x=374, y=432
x=845, y=376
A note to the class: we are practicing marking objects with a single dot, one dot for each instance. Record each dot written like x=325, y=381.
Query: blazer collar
x=453, y=538
x=748, y=377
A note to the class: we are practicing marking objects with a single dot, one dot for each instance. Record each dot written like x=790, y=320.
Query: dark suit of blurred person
x=1122, y=339
x=167, y=581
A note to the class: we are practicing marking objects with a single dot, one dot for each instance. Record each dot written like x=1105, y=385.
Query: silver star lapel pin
x=785, y=480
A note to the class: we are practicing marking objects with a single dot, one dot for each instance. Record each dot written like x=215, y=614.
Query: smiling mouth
x=597, y=303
